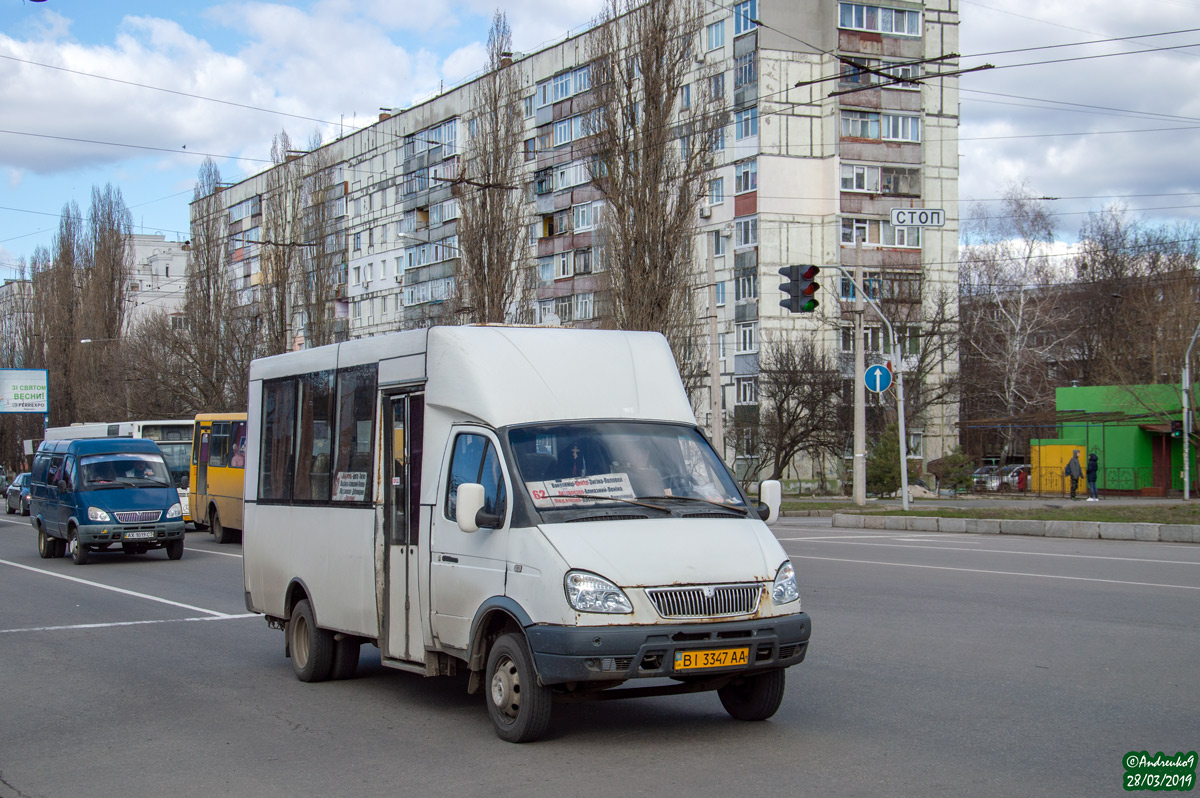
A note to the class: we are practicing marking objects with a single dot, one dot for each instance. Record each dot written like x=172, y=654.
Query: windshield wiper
x=740, y=510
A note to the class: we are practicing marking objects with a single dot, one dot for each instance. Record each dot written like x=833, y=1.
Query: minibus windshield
x=99, y=471
x=613, y=463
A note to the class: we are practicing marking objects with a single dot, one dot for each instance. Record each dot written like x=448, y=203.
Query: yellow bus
x=218, y=467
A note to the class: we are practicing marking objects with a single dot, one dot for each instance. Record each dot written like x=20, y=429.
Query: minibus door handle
x=448, y=558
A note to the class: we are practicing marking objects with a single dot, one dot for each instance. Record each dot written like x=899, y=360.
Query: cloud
x=464, y=62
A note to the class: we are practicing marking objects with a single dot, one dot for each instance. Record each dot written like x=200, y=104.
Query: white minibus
x=535, y=506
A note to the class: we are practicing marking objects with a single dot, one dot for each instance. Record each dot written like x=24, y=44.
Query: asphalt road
x=940, y=665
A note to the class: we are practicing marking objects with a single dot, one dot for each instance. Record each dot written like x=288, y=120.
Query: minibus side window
x=278, y=430
x=355, y=432
x=40, y=465
x=476, y=460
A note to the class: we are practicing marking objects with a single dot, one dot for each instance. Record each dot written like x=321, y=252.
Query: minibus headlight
x=591, y=593
x=96, y=514
x=785, y=591
x=175, y=512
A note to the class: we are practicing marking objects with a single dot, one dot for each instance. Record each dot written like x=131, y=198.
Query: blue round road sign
x=878, y=378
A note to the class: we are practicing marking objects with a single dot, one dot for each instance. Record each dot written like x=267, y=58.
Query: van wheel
x=220, y=533
x=311, y=647
x=79, y=551
x=175, y=549
x=754, y=697
x=345, y=658
x=8, y=508
x=47, y=548
x=518, y=704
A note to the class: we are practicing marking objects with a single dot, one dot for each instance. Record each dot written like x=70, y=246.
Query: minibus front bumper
x=682, y=651
x=156, y=533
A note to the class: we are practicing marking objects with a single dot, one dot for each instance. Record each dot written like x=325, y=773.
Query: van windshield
x=99, y=471
x=608, y=464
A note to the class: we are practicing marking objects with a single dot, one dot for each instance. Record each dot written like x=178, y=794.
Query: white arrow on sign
x=878, y=378
x=918, y=217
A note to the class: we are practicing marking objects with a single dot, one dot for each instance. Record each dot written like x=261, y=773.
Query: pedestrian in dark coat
x=1093, y=471
x=1074, y=472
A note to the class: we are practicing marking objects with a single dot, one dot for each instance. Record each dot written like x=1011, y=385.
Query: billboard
x=24, y=391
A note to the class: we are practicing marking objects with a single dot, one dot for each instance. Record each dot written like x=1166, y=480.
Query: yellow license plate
x=713, y=658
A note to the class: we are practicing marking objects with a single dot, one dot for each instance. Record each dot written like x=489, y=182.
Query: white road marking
x=1004, y=551
x=122, y=590
x=898, y=535
x=998, y=573
x=210, y=551
x=124, y=623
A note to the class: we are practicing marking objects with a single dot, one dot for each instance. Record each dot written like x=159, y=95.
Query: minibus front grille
x=139, y=517
x=707, y=601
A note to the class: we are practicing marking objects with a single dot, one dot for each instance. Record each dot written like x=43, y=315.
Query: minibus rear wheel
x=46, y=546
x=220, y=533
x=517, y=702
x=311, y=646
x=755, y=697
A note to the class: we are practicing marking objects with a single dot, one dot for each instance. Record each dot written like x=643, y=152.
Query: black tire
x=518, y=704
x=755, y=697
x=345, y=658
x=311, y=646
x=175, y=549
x=8, y=508
x=79, y=551
x=220, y=533
x=47, y=548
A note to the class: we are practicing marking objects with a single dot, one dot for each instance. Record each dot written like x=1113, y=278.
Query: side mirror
x=770, y=495
x=469, y=512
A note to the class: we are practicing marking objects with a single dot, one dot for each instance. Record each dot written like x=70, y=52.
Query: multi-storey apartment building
x=819, y=146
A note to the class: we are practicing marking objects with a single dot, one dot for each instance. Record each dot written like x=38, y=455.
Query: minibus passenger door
x=402, y=524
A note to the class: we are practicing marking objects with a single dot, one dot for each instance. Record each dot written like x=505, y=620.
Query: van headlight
x=591, y=593
x=175, y=512
x=784, y=590
x=98, y=515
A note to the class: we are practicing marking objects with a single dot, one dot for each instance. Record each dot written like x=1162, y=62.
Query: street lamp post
x=1187, y=415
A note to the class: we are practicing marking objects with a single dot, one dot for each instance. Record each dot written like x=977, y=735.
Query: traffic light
x=800, y=288
x=1176, y=429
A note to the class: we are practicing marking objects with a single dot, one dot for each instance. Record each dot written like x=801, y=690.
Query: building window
x=916, y=444
x=530, y=149
x=871, y=284
x=747, y=337
x=720, y=292
x=745, y=177
x=716, y=86
x=562, y=132
x=563, y=308
x=583, y=216
x=882, y=20
x=685, y=97
x=357, y=241
x=716, y=191
x=901, y=236
x=583, y=79
x=864, y=230
x=745, y=69
x=897, y=127
x=546, y=269
x=744, y=16
x=543, y=94
x=718, y=244
x=747, y=285
x=745, y=124
x=562, y=265
x=716, y=35
x=745, y=232
x=529, y=109
x=584, y=306
x=583, y=261
x=746, y=389
x=860, y=124
x=562, y=86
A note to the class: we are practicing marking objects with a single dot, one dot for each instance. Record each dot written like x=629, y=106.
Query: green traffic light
x=809, y=306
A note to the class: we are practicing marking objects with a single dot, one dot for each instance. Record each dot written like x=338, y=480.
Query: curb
x=1084, y=530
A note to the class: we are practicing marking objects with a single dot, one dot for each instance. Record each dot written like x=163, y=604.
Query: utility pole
x=1187, y=415
x=860, y=385
x=714, y=351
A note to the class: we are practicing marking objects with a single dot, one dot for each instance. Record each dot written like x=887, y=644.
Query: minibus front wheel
x=79, y=551
x=518, y=704
x=753, y=697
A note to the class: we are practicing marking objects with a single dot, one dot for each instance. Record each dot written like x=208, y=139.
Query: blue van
x=90, y=495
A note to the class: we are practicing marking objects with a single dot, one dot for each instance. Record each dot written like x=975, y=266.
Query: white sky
x=1116, y=129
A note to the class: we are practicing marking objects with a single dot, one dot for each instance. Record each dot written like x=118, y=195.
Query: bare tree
x=1013, y=329
x=283, y=203
x=492, y=212
x=652, y=157
x=56, y=304
x=101, y=388
x=323, y=254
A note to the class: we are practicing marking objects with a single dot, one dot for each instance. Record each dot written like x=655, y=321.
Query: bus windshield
x=122, y=471
x=566, y=466
x=178, y=455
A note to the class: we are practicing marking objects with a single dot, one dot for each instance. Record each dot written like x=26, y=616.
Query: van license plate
x=139, y=533
x=713, y=658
